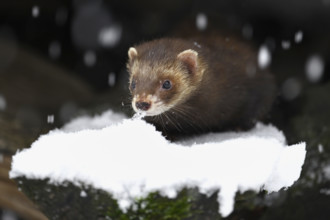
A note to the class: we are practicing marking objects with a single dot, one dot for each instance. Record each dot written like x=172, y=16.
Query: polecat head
x=161, y=78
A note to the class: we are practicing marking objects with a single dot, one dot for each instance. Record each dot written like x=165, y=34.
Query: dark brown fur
x=225, y=97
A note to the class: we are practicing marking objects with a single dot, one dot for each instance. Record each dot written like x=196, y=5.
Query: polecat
x=194, y=86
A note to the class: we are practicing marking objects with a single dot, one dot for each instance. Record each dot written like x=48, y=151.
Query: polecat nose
x=142, y=105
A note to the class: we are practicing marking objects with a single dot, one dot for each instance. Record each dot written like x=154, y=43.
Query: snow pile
x=129, y=158
x=106, y=119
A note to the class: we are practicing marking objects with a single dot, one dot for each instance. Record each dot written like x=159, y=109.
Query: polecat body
x=194, y=86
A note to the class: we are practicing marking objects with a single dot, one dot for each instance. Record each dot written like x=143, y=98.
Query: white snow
x=201, y=21
x=325, y=191
x=50, y=119
x=98, y=122
x=326, y=171
x=83, y=193
x=35, y=11
x=110, y=36
x=314, y=68
x=298, y=37
x=264, y=57
x=291, y=88
x=8, y=215
x=89, y=58
x=197, y=45
x=129, y=158
x=54, y=49
x=320, y=148
x=286, y=44
x=112, y=79
x=3, y=103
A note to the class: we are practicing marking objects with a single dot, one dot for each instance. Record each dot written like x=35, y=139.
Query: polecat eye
x=133, y=84
x=167, y=84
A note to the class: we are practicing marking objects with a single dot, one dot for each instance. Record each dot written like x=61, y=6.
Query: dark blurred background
x=59, y=57
x=90, y=37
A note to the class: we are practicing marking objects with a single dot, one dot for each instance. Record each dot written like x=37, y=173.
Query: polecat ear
x=132, y=53
x=189, y=58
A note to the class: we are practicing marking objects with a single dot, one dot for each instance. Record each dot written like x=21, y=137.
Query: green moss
x=156, y=206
